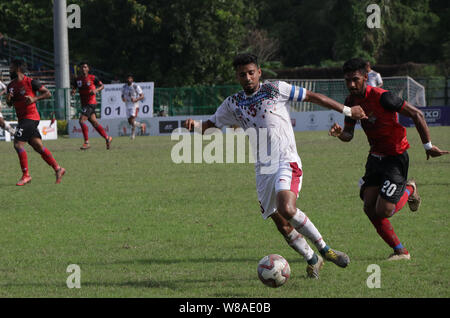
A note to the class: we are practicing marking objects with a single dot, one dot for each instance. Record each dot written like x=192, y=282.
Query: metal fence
x=199, y=100
x=437, y=90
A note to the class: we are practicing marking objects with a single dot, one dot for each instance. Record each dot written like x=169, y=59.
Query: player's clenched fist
x=358, y=113
x=335, y=130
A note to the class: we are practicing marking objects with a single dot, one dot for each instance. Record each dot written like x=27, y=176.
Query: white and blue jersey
x=267, y=112
x=266, y=108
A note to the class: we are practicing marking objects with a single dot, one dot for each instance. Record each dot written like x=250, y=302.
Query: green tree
x=411, y=29
x=175, y=43
x=29, y=21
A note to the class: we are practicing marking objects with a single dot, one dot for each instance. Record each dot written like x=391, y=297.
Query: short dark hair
x=82, y=63
x=130, y=75
x=244, y=59
x=355, y=64
x=20, y=65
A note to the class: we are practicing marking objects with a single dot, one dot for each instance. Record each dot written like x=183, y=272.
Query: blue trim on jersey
x=300, y=95
x=291, y=96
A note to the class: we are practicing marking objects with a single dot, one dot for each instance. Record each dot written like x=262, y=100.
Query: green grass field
x=139, y=225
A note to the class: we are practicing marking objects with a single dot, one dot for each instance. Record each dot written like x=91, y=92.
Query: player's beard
x=250, y=89
x=358, y=92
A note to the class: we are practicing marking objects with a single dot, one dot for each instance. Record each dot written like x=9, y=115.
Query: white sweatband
x=347, y=111
x=428, y=145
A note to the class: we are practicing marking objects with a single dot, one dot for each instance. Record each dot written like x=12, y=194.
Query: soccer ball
x=273, y=270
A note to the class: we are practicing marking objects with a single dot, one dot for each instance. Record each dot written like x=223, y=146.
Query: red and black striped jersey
x=85, y=85
x=21, y=89
x=385, y=134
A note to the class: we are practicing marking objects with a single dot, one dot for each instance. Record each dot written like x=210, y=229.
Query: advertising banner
x=48, y=131
x=114, y=107
x=434, y=116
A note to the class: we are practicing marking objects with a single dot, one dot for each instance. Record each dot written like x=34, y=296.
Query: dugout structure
x=403, y=86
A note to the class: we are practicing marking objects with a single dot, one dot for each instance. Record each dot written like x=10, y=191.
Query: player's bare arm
x=355, y=112
x=345, y=134
x=140, y=97
x=9, y=98
x=73, y=91
x=416, y=115
x=190, y=123
x=44, y=93
x=97, y=89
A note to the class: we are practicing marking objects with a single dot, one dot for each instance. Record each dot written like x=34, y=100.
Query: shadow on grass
x=156, y=261
x=173, y=284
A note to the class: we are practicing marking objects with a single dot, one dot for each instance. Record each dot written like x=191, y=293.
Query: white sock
x=299, y=244
x=304, y=225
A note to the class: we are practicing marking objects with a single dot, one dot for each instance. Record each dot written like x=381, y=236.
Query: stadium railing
x=199, y=100
x=204, y=100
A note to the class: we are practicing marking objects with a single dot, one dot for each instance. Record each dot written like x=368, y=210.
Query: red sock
x=23, y=159
x=386, y=231
x=47, y=156
x=401, y=203
x=85, y=130
x=101, y=131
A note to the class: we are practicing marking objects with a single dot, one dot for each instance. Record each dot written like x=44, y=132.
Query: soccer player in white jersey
x=131, y=95
x=3, y=124
x=265, y=106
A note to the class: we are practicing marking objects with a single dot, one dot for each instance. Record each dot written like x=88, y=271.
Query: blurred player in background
x=88, y=86
x=384, y=187
x=373, y=78
x=3, y=124
x=265, y=106
x=131, y=95
x=22, y=95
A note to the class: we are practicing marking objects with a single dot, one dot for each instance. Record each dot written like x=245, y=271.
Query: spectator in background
x=374, y=78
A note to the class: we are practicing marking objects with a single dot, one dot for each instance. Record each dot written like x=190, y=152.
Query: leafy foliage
x=182, y=43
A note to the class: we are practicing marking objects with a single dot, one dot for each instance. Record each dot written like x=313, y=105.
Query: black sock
x=313, y=260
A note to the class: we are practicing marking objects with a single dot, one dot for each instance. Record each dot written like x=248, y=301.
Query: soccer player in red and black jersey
x=21, y=93
x=88, y=86
x=385, y=187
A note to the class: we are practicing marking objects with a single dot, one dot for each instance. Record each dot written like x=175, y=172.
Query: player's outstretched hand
x=358, y=113
x=435, y=152
x=335, y=130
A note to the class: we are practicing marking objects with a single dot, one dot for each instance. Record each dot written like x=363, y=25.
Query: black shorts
x=390, y=173
x=27, y=129
x=88, y=110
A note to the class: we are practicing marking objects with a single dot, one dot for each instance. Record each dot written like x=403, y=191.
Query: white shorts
x=132, y=111
x=288, y=177
x=1, y=116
